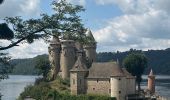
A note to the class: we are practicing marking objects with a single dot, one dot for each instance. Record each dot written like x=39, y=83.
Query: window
x=119, y=92
x=80, y=81
x=97, y=80
x=73, y=81
x=109, y=90
x=119, y=79
x=93, y=88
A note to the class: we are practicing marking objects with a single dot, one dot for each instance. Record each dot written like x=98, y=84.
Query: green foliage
x=44, y=92
x=43, y=66
x=158, y=60
x=6, y=32
x=1, y=1
x=26, y=66
x=65, y=22
x=135, y=63
x=5, y=67
x=38, y=92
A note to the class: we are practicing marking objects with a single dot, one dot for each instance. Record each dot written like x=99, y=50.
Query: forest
x=158, y=60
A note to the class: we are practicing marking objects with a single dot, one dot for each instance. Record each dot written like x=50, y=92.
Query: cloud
x=19, y=8
x=29, y=50
x=77, y=2
x=143, y=25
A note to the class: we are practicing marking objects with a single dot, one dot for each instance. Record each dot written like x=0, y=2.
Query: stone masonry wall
x=98, y=86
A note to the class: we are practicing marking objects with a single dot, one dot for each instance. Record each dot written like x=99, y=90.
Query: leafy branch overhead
x=65, y=23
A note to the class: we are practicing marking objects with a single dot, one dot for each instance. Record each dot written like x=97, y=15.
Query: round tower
x=54, y=56
x=118, y=84
x=151, y=82
x=90, y=47
x=68, y=57
x=77, y=76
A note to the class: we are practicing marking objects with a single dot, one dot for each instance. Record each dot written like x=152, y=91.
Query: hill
x=25, y=66
x=158, y=60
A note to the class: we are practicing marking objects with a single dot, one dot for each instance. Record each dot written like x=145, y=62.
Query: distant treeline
x=25, y=66
x=158, y=60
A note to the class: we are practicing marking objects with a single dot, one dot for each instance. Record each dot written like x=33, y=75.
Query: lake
x=162, y=84
x=12, y=87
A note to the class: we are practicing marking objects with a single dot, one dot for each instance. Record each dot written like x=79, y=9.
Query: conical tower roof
x=79, y=65
x=151, y=73
x=55, y=40
x=90, y=35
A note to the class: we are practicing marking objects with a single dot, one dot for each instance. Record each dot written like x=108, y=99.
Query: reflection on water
x=162, y=84
x=12, y=87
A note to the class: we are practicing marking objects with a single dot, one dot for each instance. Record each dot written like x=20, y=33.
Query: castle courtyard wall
x=99, y=86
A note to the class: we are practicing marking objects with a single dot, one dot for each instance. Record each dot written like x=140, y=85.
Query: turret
x=151, y=82
x=54, y=56
x=77, y=76
x=118, y=83
x=90, y=47
x=68, y=57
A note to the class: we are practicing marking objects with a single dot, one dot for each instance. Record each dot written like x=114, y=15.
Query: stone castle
x=69, y=59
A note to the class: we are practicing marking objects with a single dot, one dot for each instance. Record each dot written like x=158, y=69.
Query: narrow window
x=109, y=90
x=80, y=81
x=97, y=80
x=119, y=92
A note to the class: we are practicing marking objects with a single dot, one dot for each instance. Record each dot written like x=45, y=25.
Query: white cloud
x=144, y=25
x=19, y=8
x=77, y=2
x=29, y=50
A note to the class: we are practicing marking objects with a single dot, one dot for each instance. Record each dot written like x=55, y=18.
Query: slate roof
x=90, y=35
x=79, y=65
x=151, y=73
x=105, y=70
x=127, y=74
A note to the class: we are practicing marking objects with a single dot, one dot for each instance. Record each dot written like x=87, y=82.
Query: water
x=12, y=87
x=162, y=85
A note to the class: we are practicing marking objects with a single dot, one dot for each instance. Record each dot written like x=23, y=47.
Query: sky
x=117, y=25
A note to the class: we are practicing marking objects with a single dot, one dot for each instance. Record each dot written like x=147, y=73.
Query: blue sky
x=117, y=25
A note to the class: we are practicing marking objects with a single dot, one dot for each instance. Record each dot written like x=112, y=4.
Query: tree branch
x=20, y=40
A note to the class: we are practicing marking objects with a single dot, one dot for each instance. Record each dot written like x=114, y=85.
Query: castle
x=69, y=59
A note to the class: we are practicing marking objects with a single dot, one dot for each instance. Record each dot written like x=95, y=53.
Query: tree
x=135, y=63
x=43, y=66
x=65, y=23
x=1, y=1
x=5, y=66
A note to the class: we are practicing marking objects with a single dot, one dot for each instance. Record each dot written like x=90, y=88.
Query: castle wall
x=78, y=83
x=90, y=50
x=68, y=57
x=118, y=87
x=54, y=58
x=98, y=86
x=151, y=84
x=131, y=86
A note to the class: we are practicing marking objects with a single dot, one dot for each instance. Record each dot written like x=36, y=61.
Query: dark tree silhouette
x=135, y=63
x=1, y=1
x=6, y=32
